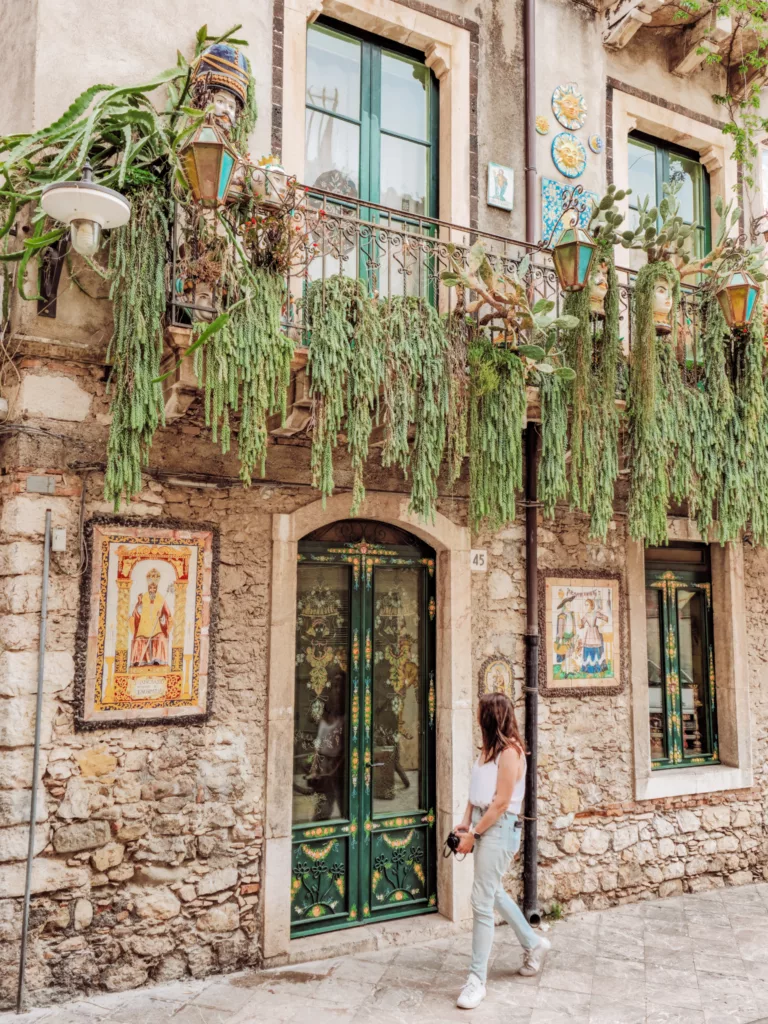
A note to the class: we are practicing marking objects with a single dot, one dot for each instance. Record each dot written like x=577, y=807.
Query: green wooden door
x=364, y=735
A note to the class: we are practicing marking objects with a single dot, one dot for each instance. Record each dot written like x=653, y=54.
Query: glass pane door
x=397, y=691
x=364, y=735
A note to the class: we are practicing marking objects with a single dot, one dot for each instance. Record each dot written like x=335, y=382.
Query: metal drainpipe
x=35, y=763
x=530, y=831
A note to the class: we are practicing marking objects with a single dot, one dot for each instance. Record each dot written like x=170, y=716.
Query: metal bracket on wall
x=50, y=275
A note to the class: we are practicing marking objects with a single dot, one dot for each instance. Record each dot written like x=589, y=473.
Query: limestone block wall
x=597, y=845
x=150, y=840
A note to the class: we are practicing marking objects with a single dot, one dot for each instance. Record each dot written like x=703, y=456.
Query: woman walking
x=490, y=830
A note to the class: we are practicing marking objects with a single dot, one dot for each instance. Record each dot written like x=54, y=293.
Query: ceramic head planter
x=598, y=289
x=220, y=78
x=662, y=306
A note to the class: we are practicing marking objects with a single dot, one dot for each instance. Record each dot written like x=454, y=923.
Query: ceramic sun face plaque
x=569, y=155
x=569, y=107
x=542, y=125
x=596, y=143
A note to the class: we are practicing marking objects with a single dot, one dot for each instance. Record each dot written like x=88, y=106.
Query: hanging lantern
x=209, y=161
x=572, y=256
x=738, y=298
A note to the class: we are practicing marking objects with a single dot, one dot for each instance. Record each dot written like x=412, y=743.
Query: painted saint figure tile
x=500, y=186
x=582, y=639
x=148, y=624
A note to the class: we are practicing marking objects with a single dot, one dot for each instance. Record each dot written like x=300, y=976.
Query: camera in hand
x=452, y=844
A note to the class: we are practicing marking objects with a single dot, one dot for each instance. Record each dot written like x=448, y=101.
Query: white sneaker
x=534, y=958
x=472, y=994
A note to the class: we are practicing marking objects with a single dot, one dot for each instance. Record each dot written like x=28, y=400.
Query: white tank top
x=482, y=785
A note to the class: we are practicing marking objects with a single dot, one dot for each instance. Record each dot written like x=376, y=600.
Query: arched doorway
x=363, y=778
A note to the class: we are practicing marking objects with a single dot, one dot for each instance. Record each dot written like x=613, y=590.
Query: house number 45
x=478, y=560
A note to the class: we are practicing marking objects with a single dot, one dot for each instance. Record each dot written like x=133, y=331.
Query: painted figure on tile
x=593, y=650
x=566, y=626
x=582, y=632
x=500, y=184
x=151, y=625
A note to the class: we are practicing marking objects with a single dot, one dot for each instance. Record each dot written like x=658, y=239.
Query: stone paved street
x=694, y=959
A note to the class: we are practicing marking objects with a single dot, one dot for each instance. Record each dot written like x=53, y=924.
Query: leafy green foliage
x=497, y=412
x=652, y=417
x=346, y=368
x=137, y=267
x=245, y=367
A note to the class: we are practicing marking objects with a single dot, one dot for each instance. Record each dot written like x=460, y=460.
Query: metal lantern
x=87, y=208
x=209, y=162
x=738, y=298
x=573, y=255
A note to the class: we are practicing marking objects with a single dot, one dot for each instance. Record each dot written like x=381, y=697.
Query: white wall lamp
x=87, y=208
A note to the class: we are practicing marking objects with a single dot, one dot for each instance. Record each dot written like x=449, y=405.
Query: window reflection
x=404, y=96
x=320, y=712
x=333, y=72
x=693, y=670
x=656, y=709
x=397, y=690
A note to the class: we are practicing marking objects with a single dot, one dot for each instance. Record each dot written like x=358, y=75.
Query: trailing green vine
x=552, y=485
x=652, y=419
x=136, y=263
x=245, y=368
x=346, y=368
x=416, y=391
x=497, y=414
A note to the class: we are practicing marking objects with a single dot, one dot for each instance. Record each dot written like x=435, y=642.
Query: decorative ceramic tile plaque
x=581, y=627
x=501, y=186
x=552, y=206
x=145, y=621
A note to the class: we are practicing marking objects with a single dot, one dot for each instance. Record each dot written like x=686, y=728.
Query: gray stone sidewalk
x=695, y=959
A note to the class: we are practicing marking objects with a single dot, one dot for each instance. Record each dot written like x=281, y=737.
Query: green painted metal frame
x=668, y=583
x=369, y=122
x=663, y=151
x=357, y=832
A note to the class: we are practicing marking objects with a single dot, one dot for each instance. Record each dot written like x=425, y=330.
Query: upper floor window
x=681, y=658
x=371, y=120
x=653, y=162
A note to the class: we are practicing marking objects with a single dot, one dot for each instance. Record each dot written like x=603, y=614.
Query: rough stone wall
x=149, y=839
x=597, y=846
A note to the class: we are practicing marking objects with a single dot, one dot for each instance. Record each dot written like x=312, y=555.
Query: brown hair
x=498, y=725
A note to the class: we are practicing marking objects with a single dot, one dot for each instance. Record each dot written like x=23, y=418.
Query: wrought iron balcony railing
x=402, y=252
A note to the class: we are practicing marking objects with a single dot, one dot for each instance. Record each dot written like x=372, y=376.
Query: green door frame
x=667, y=584
x=341, y=868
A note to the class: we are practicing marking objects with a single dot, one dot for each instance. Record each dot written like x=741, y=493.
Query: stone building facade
x=165, y=851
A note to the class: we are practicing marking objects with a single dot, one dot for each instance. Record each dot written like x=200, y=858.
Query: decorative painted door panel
x=364, y=733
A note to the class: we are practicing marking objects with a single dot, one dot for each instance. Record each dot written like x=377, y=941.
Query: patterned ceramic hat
x=224, y=67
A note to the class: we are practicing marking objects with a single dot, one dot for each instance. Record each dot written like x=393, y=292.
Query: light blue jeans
x=492, y=854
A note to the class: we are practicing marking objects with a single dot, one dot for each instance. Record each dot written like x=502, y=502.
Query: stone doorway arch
x=454, y=697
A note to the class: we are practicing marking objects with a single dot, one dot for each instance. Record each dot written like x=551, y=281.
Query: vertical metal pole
x=35, y=762
x=530, y=830
x=529, y=43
